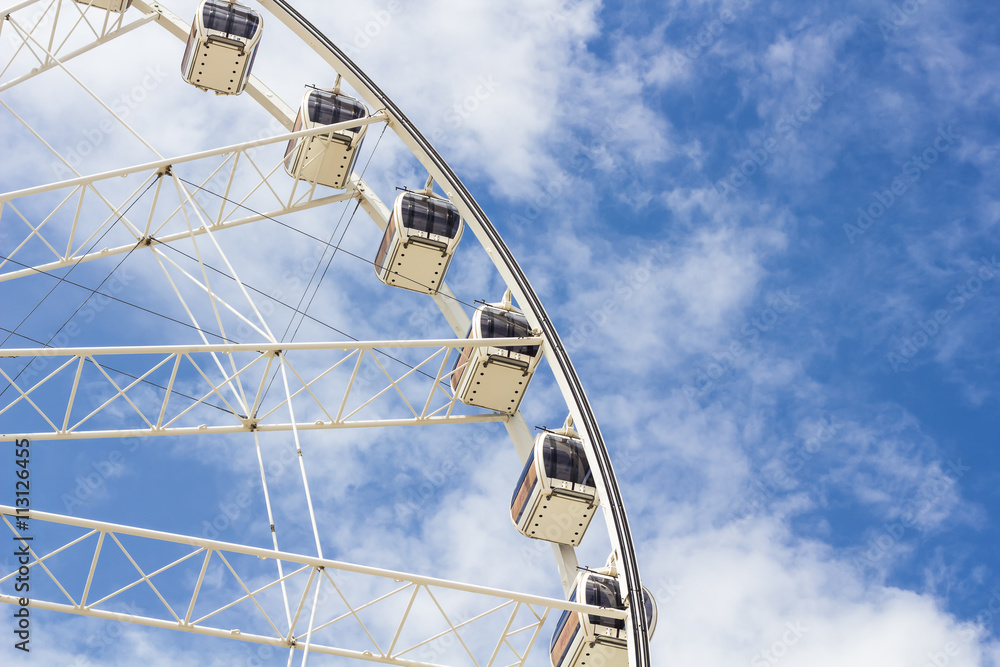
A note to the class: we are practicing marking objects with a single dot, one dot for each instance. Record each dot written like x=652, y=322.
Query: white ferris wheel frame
x=289, y=197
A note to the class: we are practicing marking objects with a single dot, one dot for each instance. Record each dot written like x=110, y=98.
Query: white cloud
x=744, y=593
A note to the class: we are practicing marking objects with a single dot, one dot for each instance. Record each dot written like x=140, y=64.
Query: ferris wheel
x=190, y=278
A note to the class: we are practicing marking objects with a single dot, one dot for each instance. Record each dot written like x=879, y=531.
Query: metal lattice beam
x=226, y=217
x=341, y=403
x=318, y=594
x=37, y=30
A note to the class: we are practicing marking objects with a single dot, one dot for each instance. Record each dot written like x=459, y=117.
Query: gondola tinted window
x=565, y=460
x=329, y=108
x=434, y=216
x=507, y=324
x=603, y=592
x=562, y=623
x=520, y=480
x=230, y=19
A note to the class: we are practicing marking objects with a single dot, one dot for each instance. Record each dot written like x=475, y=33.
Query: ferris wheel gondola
x=419, y=241
x=556, y=496
x=221, y=47
x=328, y=158
x=496, y=377
x=583, y=639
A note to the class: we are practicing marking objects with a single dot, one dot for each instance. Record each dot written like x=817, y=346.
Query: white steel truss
x=57, y=32
x=284, y=194
x=326, y=393
x=436, y=617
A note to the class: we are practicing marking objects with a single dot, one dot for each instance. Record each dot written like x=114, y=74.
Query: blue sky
x=767, y=233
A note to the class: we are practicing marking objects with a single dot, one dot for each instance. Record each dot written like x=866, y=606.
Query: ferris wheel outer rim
x=639, y=646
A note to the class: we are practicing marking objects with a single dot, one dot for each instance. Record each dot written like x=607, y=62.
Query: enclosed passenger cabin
x=495, y=377
x=582, y=640
x=419, y=242
x=556, y=497
x=221, y=47
x=326, y=158
x=110, y=5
